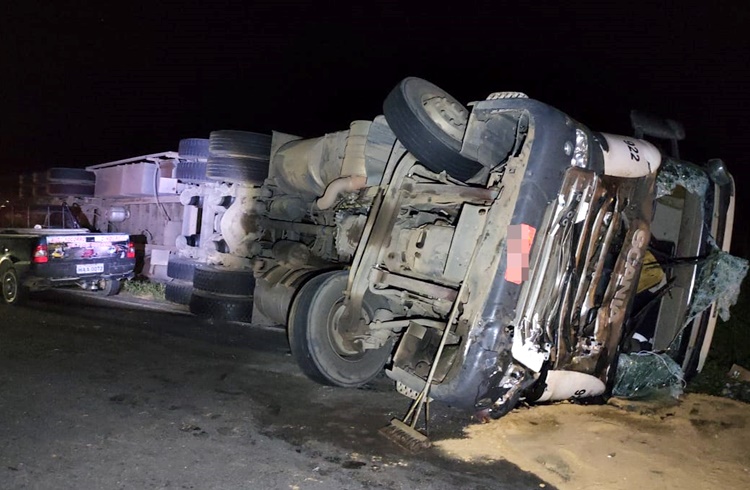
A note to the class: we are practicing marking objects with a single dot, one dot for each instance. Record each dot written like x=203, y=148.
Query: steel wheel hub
x=341, y=341
x=448, y=114
x=10, y=287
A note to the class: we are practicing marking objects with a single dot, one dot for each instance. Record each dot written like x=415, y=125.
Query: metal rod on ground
x=404, y=432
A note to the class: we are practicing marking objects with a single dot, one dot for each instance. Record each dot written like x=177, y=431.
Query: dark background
x=89, y=82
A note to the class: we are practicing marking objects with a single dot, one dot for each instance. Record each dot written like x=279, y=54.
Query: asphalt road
x=101, y=395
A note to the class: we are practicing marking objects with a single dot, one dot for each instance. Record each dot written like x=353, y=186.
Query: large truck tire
x=430, y=123
x=193, y=153
x=224, y=281
x=179, y=268
x=221, y=307
x=237, y=170
x=193, y=149
x=178, y=291
x=314, y=339
x=191, y=171
x=240, y=144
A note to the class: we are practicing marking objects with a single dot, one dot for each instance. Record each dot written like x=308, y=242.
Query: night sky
x=85, y=83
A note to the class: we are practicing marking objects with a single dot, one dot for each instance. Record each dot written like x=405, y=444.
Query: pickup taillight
x=40, y=254
x=131, y=250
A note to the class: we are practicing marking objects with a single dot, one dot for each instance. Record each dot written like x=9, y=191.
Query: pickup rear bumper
x=50, y=275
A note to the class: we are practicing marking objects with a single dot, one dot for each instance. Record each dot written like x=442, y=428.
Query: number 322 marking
x=633, y=150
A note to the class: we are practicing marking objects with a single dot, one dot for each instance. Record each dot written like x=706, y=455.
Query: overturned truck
x=479, y=257
x=491, y=255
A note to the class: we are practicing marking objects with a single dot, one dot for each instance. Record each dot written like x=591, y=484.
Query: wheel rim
x=344, y=347
x=324, y=346
x=10, y=287
x=450, y=116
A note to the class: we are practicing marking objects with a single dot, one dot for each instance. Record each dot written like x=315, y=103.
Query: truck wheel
x=110, y=287
x=191, y=171
x=178, y=268
x=221, y=307
x=178, y=292
x=224, y=281
x=431, y=125
x=240, y=144
x=13, y=292
x=193, y=148
x=237, y=170
x=320, y=350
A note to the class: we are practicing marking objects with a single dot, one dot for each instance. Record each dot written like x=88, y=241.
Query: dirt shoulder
x=699, y=443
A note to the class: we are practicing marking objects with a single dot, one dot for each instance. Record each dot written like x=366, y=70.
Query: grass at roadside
x=145, y=289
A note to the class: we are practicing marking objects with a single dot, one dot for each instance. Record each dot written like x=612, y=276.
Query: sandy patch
x=702, y=442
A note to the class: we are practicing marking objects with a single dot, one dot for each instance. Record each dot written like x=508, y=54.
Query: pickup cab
x=34, y=259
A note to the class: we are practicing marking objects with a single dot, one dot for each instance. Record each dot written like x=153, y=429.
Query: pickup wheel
x=13, y=292
x=322, y=352
x=431, y=125
x=110, y=287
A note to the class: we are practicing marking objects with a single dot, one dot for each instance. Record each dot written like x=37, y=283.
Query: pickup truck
x=34, y=259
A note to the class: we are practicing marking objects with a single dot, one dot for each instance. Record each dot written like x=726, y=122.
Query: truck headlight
x=580, y=157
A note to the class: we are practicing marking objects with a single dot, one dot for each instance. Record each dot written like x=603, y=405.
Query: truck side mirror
x=645, y=124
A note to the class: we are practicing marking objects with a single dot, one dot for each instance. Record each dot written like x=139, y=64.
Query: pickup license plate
x=89, y=268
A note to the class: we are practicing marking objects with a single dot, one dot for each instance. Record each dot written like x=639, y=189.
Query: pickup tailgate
x=75, y=255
